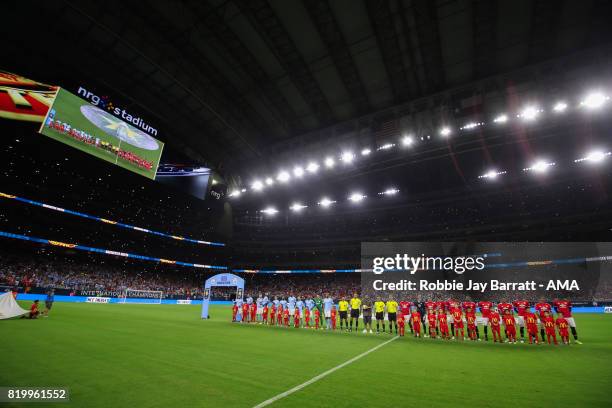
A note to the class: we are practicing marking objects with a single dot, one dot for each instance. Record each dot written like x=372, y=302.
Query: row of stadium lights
x=592, y=101
x=539, y=166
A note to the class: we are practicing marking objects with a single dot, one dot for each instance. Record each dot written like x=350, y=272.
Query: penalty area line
x=322, y=375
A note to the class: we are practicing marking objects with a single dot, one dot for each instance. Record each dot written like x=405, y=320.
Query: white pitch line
x=322, y=375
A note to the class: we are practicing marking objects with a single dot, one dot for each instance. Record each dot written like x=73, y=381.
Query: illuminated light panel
x=594, y=100
x=269, y=211
x=596, y=156
x=312, y=167
x=326, y=202
x=529, y=113
x=347, y=157
x=560, y=107
x=492, y=174
x=407, y=141
x=386, y=146
x=471, y=125
x=356, y=197
x=257, y=185
x=269, y=181
x=235, y=193
x=366, y=152
x=283, y=177
x=297, y=207
x=389, y=192
x=329, y=162
x=540, y=166
x=298, y=171
x=445, y=131
x=503, y=118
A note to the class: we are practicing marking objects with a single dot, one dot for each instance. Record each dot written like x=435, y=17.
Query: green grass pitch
x=113, y=355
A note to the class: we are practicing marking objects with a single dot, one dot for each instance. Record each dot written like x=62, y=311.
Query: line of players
x=425, y=319
x=462, y=315
x=308, y=313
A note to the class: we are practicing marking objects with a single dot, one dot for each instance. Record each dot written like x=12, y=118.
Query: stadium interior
x=293, y=132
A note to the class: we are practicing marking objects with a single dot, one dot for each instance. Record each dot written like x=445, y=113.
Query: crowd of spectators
x=45, y=268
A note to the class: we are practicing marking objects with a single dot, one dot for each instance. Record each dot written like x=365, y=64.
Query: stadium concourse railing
x=107, y=221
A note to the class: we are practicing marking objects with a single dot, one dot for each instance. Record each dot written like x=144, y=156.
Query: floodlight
x=529, y=113
x=503, y=118
x=492, y=174
x=326, y=202
x=560, y=107
x=269, y=211
x=257, y=185
x=356, y=197
x=366, y=152
x=347, y=157
x=445, y=131
x=269, y=181
x=312, y=167
x=283, y=176
x=594, y=100
x=595, y=156
x=297, y=207
x=539, y=166
x=407, y=141
x=298, y=171
x=329, y=162
x=389, y=191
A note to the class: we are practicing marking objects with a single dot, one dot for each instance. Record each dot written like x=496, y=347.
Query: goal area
x=137, y=296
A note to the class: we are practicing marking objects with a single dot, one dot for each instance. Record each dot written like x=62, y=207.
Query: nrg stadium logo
x=104, y=102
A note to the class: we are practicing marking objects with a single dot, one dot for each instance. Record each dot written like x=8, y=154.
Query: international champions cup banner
x=93, y=130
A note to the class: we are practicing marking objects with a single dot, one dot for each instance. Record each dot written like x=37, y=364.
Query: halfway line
x=322, y=375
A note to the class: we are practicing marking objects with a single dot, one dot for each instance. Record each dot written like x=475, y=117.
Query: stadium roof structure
x=241, y=82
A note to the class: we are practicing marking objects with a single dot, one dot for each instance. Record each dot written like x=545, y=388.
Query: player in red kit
x=458, y=323
x=503, y=308
x=495, y=322
x=253, y=312
x=333, y=318
x=469, y=305
x=404, y=310
x=245, y=312
x=532, y=326
x=470, y=318
x=317, y=318
x=234, y=312
x=279, y=315
x=450, y=306
x=432, y=320
x=286, y=316
x=443, y=324
x=540, y=308
x=430, y=306
x=272, y=314
x=307, y=317
x=510, y=326
x=264, y=314
x=521, y=306
x=296, y=318
x=549, y=327
x=415, y=316
x=563, y=325
x=485, y=310
x=564, y=307
x=401, y=324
